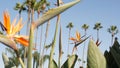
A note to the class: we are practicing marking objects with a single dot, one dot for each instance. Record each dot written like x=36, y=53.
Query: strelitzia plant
x=12, y=29
x=46, y=16
x=77, y=40
x=11, y=37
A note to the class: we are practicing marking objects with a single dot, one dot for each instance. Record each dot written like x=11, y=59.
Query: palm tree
x=113, y=31
x=37, y=8
x=40, y=7
x=20, y=7
x=35, y=59
x=84, y=27
x=69, y=26
x=97, y=27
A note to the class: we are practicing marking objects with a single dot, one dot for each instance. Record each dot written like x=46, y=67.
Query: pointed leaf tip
x=70, y=62
x=54, y=12
x=95, y=58
x=5, y=59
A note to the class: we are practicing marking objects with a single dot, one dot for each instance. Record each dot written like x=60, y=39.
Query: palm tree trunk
x=112, y=39
x=41, y=45
x=32, y=14
x=42, y=55
x=97, y=34
x=46, y=34
x=36, y=38
x=16, y=66
x=19, y=15
x=27, y=32
x=68, y=42
x=28, y=22
x=33, y=63
x=36, y=34
x=83, y=51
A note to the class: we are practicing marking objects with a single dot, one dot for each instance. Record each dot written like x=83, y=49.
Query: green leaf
x=44, y=58
x=53, y=46
x=6, y=61
x=50, y=14
x=18, y=6
x=60, y=43
x=30, y=47
x=54, y=64
x=115, y=51
x=70, y=62
x=95, y=58
x=60, y=46
x=116, y=56
x=54, y=12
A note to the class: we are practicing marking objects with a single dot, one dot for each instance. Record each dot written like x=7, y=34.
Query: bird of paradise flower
x=11, y=30
x=77, y=40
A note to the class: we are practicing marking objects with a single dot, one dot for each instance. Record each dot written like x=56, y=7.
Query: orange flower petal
x=18, y=27
x=6, y=18
x=73, y=39
x=13, y=26
x=77, y=36
x=22, y=41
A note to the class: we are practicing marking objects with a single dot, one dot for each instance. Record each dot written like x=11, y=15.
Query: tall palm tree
x=40, y=7
x=29, y=6
x=35, y=59
x=69, y=26
x=84, y=27
x=113, y=31
x=37, y=8
x=20, y=7
x=97, y=27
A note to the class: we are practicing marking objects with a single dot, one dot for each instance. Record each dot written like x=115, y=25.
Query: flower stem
x=21, y=62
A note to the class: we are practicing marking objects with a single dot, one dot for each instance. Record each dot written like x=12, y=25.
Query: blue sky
x=107, y=12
